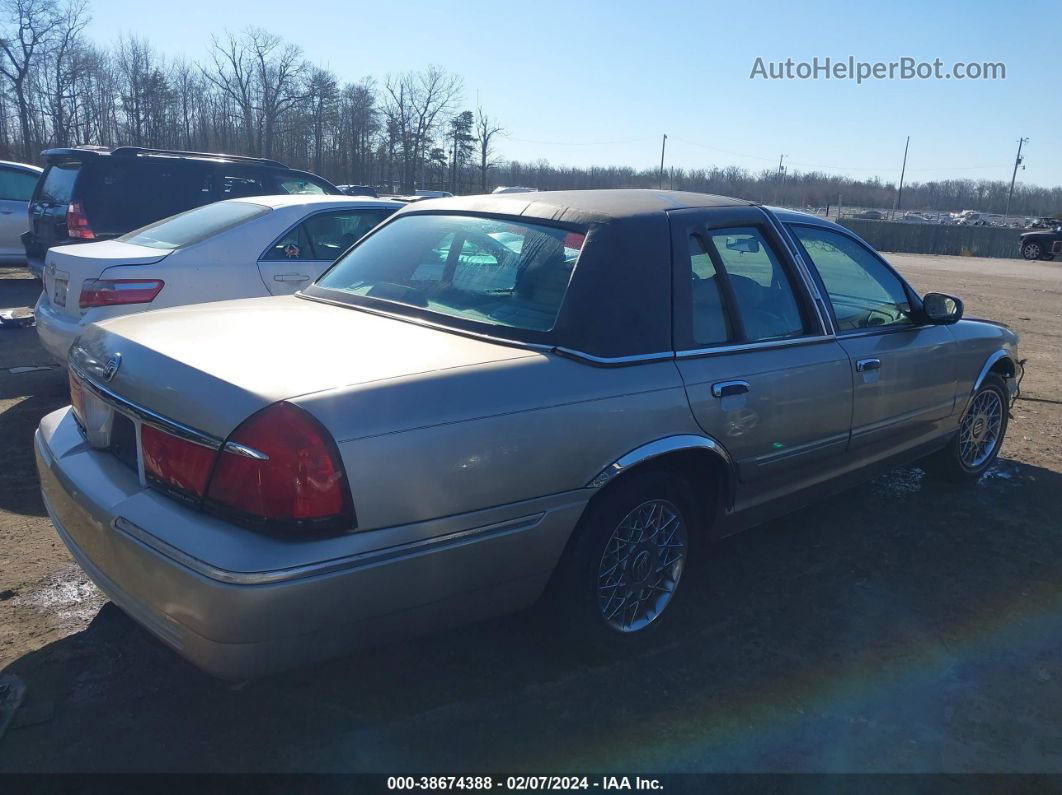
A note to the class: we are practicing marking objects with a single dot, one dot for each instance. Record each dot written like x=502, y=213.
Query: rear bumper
x=56, y=332
x=244, y=624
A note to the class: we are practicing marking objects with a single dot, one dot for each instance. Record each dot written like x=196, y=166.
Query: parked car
x=448, y=425
x=870, y=215
x=513, y=189
x=358, y=190
x=432, y=194
x=17, y=181
x=238, y=248
x=96, y=194
x=1043, y=244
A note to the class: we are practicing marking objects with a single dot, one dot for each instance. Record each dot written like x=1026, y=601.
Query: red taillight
x=175, y=464
x=113, y=292
x=281, y=468
x=77, y=225
x=77, y=399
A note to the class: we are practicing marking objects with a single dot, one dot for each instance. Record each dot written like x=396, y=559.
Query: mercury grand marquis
x=494, y=399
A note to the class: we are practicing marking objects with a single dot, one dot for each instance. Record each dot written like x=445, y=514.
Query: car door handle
x=291, y=277
x=864, y=365
x=727, y=388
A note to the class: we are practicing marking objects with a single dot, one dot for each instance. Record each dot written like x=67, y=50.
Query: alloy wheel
x=641, y=566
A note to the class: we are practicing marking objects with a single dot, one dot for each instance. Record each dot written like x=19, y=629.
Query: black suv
x=94, y=193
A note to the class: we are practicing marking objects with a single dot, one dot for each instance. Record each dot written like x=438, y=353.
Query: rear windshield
x=58, y=184
x=481, y=270
x=195, y=225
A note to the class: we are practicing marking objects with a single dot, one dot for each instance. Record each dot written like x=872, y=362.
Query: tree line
x=254, y=93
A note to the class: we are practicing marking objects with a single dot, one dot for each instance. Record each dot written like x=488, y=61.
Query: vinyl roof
x=579, y=206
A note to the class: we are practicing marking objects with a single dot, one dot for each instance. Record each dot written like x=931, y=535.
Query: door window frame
x=331, y=210
x=913, y=299
x=815, y=329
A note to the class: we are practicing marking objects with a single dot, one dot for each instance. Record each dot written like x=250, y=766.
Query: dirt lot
x=901, y=626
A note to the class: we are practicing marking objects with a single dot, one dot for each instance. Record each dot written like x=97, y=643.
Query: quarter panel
x=478, y=437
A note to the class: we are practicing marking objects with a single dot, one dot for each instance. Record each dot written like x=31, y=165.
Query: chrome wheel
x=979, y=434
x=1032, y=251
x=641, y=566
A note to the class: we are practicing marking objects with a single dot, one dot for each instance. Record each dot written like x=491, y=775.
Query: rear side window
x=120, y=194
x=761, y=287
x=58, y=184
x=195, y=225
x=711, y=321
x=16, y=185
x=325, y=236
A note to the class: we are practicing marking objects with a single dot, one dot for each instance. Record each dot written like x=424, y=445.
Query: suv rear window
x=195, y=225
x=58, y=184
x=480, y=270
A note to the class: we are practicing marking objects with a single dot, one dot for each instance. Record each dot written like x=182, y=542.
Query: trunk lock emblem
x=110, y=369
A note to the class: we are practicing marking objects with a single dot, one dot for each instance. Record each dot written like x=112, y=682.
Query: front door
x=762, y=375
x=903, y=371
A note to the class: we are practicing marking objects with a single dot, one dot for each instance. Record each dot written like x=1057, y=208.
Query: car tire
x=1032, y=251
x=982, y=429
x=620, y=577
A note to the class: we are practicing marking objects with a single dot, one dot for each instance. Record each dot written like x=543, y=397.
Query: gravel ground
x=901, y=626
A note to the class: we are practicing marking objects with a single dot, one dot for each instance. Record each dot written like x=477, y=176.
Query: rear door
x=904, y=372
x=48, y=206
x=299, y=256
x=16, y=188
x=763, y=375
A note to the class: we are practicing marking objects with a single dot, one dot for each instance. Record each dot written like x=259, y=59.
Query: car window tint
x=330, y=234
x=711, y=324
x=863, y=291
x=483, y=270
x=120, y=194
x=762, y=290
x=299, y=185
x=59, y=179
x=16, y=185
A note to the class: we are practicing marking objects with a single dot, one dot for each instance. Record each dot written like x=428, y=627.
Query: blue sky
x=597, y=83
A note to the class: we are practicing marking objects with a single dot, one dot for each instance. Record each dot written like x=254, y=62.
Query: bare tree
x=27, y=27
x=322, y=93
x=232, y=73
x=415, y=102
x=486, y=129
x=278, y=72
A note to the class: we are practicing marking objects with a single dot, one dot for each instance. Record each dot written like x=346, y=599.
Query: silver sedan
x=492, y=399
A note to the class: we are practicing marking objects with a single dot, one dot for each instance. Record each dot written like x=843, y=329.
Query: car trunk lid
x=68, y=268
x=210, y=366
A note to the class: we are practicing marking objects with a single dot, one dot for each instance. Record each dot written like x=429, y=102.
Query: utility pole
x=663, y=146
x=781, y=179
x=903, y=170
x=1014, y=176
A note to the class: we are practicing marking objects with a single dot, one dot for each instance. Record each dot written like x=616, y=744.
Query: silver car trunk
x=210, y=366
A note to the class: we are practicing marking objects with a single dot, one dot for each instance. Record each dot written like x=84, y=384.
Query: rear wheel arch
x=700, y=462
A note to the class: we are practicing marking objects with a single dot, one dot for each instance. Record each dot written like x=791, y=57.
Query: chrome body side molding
x=660, y=447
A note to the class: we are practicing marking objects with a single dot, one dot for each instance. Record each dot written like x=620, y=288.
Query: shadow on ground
x=904, y=625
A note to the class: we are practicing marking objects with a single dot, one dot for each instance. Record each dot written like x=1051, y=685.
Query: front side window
x=480, y=270
x=865, y=294
x=762, y=290
x=194, y=226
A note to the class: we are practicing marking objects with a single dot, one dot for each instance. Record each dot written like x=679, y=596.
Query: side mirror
x=942, y=309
